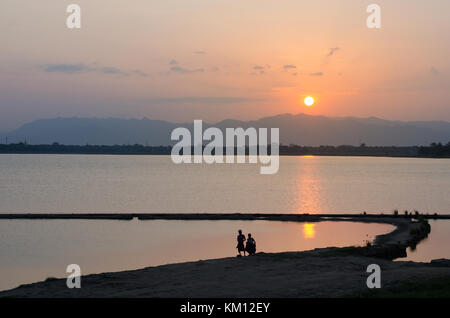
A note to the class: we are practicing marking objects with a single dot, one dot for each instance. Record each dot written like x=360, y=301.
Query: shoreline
x=290, y=217
x=281, y=154
x=325, y=272
x=413, y=151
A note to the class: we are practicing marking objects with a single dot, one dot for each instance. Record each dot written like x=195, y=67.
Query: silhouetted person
x=251, y=245
x=240, y=244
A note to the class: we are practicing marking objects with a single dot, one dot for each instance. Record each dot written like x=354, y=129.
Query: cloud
x=332, y=50
x=140, y=73
x=82, y=68
x=316, y=74
x=182, y=70
x=259, y=70
x=110, y=70
x=201, y=100
x=66, y=68
x=173, y=62
x=199, y=52
x=289, y=66
x=434, y=71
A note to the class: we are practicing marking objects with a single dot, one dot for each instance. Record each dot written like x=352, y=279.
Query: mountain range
x=300, y=129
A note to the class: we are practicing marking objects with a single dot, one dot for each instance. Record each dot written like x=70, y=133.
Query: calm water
x=436, y=245
x=91, y=183
x=32, y=250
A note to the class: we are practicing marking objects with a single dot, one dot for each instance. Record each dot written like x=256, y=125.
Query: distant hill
x=94, y=131
x=298, y=129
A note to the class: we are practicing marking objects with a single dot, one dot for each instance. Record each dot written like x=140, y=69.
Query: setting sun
x=309, y=101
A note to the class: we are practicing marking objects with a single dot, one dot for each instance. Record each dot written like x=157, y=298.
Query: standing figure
x=240, y=244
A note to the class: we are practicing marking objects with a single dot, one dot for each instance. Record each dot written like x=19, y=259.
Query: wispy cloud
x=332, y=51
x=289, y=66
x=199, y=52
x=140, y=73
x=66, y=68
x=109, y=70
x=182, y=70
x=173, y=62
x=316, y=74
x=82, y=68
x=434, y=71
x=260, y=69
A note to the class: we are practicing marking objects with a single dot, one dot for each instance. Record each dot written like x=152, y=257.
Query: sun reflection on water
x=309, y=230
x=309, y=198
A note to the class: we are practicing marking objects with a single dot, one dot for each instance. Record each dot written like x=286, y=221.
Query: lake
x=435, y=246
x=32, y=250
x=153, y=184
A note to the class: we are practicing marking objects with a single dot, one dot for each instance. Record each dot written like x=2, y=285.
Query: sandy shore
x=319, y=273
x=330, y=272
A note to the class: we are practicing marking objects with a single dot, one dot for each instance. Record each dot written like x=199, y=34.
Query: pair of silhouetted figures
x=250, y=247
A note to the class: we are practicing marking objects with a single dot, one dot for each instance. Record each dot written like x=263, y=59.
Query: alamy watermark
x=74, y=279
x=73, y=21
x=213, y=152
x=374, y=279
x=374, y=19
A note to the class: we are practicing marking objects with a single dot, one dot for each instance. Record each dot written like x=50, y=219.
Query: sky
x=180, y=60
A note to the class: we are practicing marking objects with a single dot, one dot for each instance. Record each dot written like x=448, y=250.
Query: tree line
x=433, y=150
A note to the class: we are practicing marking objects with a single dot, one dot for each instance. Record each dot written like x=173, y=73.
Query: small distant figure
x=240, y=244
x=251, y=245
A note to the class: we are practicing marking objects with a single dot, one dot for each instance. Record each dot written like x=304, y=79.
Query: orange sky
x=211, y=60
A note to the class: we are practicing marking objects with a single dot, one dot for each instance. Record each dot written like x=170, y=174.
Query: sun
x=309, y=101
